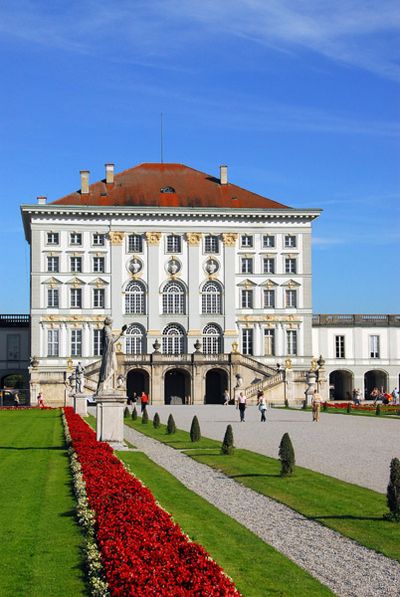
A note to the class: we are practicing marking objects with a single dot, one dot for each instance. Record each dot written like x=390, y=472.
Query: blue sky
x=300, y=99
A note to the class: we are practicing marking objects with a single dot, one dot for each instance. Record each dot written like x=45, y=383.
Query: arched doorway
x=137, y=381
x=216, y=384
x=341, y=385
x=177, y=387
x=13, y=380
x=376, y=378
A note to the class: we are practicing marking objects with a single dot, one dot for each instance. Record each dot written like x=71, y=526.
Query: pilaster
x=193, y=240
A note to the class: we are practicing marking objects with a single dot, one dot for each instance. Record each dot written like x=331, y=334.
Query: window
x=173, y=340
x=53, y=238
x=75, y=238
x=268, y=241
x=269, y=343
x=52, y=298
x=247, y=265
x=76, y=298
x=135, y=298
x=211, y=298
x=76, y=264
x=291, y=342
x=290, y=298
x=52, y=343
x=98, y=298
x=174, y=243
x=247, y=299
x=268, y=265
x=246, y=241
x=374, y=348
x=339, y=347
x=290, y=265
x=247, y=341
x=135, y=243
x=13, y=347
x=98, y=264
x=269, y=299
x=134, y=340
x=97, y=343
x=98, y=239
x=211, y=244
x=290, y=241
x=173, y=298
x=212, y=339
x=53, y=264
x=76, y=343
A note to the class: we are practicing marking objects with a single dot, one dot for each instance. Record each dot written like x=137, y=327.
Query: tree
x=393, y=491
x=227, y=445
x=171, y=427
x=134, y=414
x=286, y=455
x=145, y=417
x=126, y=412
x=156, y=421
x=195, y=434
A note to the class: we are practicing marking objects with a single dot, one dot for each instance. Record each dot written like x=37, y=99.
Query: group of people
x=386, y=398
x=144, y=400
x=241, y=404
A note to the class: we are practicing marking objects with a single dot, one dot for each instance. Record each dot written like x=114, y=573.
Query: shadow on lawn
x=33, y=448
x=346, y=517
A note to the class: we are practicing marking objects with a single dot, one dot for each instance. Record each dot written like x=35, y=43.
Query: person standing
x=241, y=404
x=40, y=400
x=395, y=396
x=316, y=406
x=144, y=400
x=357, y=396
x=262, y=406
x=226, y=397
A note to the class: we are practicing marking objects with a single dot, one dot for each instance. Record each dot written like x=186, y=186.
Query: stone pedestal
x=80, y=404
x=309, y=393
x=110, y=417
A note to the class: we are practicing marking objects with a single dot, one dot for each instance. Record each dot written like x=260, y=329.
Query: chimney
x=223, y=174
x=109, y=173
x=41, y=200
x=85, y=182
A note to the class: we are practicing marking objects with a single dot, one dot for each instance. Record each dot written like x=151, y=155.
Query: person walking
x=144, y=400
x=241, y=404
x=40, y=400
x=262, y=406
x=226, y=397
x=357, y=396
x=316, y=406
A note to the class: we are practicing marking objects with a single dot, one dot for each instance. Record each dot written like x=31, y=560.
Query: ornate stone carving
x=211, y=267
x=173, y=266
x=135, y=265
x=229, y=239
x=153, y=238
x=116, y=238
x=193, y=238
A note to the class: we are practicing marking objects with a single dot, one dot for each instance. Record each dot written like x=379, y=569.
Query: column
x=229, y=240
x=116, y=264
x=194, y=331
x=153, y=297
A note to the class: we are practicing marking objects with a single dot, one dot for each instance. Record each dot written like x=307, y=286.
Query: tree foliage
x=171, y=427
x=126, y=412
x=134, y=414
x=145, y=417
x=227, y=445
x=156, y=421
x=393, y=491
x=286, y=456
x=195, y=434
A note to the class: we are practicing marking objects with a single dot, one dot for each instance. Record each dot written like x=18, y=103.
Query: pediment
x=75, y=282
x=52, y=281
x=247, y=284
x=98, y=282
x=291, y=284
x=268, y=283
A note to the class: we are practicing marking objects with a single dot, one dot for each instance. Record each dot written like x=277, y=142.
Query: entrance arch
x=375, y=378
x=341, y=385
x=137, y=381
x=216, y=384
x=176, y=387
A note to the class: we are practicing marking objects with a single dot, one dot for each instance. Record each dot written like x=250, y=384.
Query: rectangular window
x=53, y=238
x=268, y=265
x=76, y=264
x=98, y=239
x=290, y=265
x=211, y=244
x=247, y=341
x=269, y=343
x=247, y=299
x=52, y=298
x=13, y=347
x=268, y=241
x=291, y=342
x=98, y=298
x=76, y=343
x=52, y=343
x=246, y=241
x=374, y=348
x=174, y=244
x=290, y=298
x=98, y=264
x=269, y=299
x=135, y=243
x=246, y=265
x=75, y=238
x=97, y=344
x=53, y=264
x=290, y=241
x=76, y=298
x=339, y=347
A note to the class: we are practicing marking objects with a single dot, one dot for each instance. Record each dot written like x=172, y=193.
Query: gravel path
x=344, y=566
x=352, y=448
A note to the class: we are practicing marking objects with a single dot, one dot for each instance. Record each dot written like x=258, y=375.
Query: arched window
x=211, y=298
x=173, y=340
x=134, y=339
x=173, y=298
x=135, y=298
x=212, y=339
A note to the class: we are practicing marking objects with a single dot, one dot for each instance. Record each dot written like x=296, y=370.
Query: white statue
x=109, y=359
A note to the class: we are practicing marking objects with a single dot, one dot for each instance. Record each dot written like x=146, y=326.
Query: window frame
x=76, y=296
x=50, y=242
x=247, y=338
x=98, y=236
x=76, y=339
x=213, y=241
x=269, y=292
x=73, y=242
x=73, y=261
x=173, y=238
x=292, y=343
x=53, y=292
x=290, y=294
x=340, y=346
x=290, y=241
x=247, y=298
x=55, y=259
x=247, y=241
x=97, y=293
x=131, y=243
x=290, y=265
x=53, y=342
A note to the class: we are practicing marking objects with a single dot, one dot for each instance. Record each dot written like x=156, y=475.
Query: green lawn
x=256, y=568
x=358, y=413
x=41, y=553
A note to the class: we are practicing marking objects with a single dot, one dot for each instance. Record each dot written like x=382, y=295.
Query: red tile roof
x=141, y=186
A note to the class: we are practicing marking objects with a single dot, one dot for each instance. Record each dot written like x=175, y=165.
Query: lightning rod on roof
x=161, y=139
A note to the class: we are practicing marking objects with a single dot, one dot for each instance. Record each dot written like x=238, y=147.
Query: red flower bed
x=367, y=407
x=143, y=552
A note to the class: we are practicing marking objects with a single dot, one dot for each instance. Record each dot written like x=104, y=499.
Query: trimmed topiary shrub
x=156, y=421
x=349, y=407
x=195, y=434
x=171, y=427
x=227, y=445
x=286, y=456
x=393, y=491
x=126, y=412
x=145, y=417
x=134, y=414
x=378, y=411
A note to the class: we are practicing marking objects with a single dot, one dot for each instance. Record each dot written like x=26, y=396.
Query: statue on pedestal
x=108, y=360
x=79, y=378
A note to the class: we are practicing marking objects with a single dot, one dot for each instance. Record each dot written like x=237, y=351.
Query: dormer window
x=167, y=190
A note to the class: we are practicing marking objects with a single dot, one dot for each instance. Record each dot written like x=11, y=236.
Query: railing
x=363, y=320
x=12, y=320
x=253, y=364
x=264, y=385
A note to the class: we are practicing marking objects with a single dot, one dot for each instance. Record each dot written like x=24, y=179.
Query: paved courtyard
x=352, y=448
